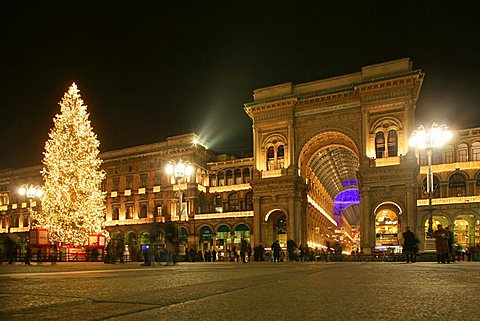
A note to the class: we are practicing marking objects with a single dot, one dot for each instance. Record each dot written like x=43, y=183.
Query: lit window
x=392, y=143
x=379, y=145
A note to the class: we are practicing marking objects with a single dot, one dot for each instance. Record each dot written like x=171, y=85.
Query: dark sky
x=150, y=70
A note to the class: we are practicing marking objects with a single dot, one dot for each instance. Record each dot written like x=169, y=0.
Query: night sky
x=148, y=71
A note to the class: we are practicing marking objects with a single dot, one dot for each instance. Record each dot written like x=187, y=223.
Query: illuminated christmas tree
x=73, y=204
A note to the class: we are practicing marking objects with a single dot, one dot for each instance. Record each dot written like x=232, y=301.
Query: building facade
x=331, y=165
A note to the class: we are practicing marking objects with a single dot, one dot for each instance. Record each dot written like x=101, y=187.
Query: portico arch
x=387, y=217
x=275, y=227
x=329, y=162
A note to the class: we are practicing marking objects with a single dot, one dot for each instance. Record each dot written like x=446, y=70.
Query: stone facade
x=331, y=164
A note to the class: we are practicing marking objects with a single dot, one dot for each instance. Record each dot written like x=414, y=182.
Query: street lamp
x=428, y=139
x=181, y=172
x=31, y=192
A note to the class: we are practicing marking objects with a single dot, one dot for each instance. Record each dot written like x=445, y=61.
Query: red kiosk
x=43, y=250
x=96, y=247
x=39, y=244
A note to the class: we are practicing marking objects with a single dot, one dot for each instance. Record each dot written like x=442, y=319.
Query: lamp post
x=181, y=172
x=31, y=192
x=428, y=139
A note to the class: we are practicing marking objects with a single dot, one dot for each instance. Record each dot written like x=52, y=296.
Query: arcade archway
x=276, y=228
x=387, y=227
x=329, y=162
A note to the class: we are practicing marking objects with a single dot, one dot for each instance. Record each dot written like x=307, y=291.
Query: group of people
x=444, y=239
x=444, y=245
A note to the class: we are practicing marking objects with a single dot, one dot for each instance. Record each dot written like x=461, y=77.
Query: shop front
x=206, y=234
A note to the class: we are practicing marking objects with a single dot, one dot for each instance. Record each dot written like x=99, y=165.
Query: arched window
x=238, y=176
x=270, y=158
x=477, y=184
x=143, y=211
x=129, y=212
x=217, y=203
x=392, y=143
x=379, y=145
x=213, y=179
x=281, y=151
x=15, y=221
x=437, y=156
x=463, y=152
x=249, y=201
x=221, y=179
x=233, y=204
x=436, y=187
x=115, y=214
x=246, y=175
x=4, y=200
x=476, y=151
x=229, y=177
x=457, y=185
x=280, y=156
x=158, y=210
x=448, y=152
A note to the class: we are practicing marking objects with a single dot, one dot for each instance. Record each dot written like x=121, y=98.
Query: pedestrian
x=409, y=245
x=276, y=248
x=441, y=244
x=302, y=252
x=243, y=249
x=291, y=249
x=208, y=256
x=450, y=240
x=214, y=255
x=28, y=256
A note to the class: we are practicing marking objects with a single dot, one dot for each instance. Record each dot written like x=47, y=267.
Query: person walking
x=409, y=245
x=276, y=248
x=243, y=250
x=214, y=255
x=28, y=255
x=450, y=240
x=441, y=244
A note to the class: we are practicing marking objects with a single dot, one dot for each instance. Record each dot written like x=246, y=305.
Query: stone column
x=365, y=222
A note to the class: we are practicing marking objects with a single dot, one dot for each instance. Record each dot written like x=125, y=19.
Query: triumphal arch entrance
x=332, y=158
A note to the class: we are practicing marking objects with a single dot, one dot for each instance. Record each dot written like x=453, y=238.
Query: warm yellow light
x=436, y=136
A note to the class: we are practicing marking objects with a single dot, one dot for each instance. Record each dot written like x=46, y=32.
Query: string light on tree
x=73, y=204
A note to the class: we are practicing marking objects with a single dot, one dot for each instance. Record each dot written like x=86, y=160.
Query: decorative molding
x=451, y=167
x=327, y=109
x=388, y=161
x=223, y=215
x=450, y=200
x=135, y=221
x=229, y=188
x=272, y=173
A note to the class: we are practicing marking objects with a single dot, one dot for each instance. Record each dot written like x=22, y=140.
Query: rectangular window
x=158, y=179
x=115, y=183
x=463, y=155
x=129, y=182
x=436, y=157
x=143, y=180
x=476, y=154
x=449, y=156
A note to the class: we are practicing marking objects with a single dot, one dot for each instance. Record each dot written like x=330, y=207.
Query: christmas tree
x=73, y=204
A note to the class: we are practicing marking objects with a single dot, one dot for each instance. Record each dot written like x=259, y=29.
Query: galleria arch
x=330, y=150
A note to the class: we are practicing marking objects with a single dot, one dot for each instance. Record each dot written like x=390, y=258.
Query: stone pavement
x=252, y=291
